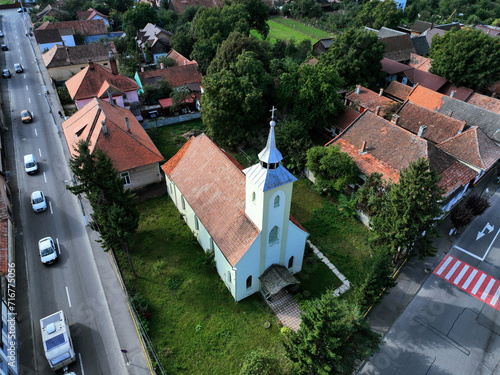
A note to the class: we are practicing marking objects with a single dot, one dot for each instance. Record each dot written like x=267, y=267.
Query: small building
x=92, y=14
x=155, y=40
x=322, y=45
x=90, y=30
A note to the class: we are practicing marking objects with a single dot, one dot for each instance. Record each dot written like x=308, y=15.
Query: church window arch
x=183, y=203
x=253, y=197
x=273, y=235
x=277, y=201
x=249, y=282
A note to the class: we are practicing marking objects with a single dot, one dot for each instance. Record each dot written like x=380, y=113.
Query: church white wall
x=275, y=217
x=248, y=265
x=296, y=246
x=254, y=208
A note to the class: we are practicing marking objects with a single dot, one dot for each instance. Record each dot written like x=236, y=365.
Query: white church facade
x=242, y=215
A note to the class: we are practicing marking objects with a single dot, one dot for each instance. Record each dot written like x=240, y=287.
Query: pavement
x=415, y=272
x=116, y=296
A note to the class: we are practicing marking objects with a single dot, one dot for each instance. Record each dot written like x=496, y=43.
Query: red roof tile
x=84, y=27
x=127, y=148
x=420, y=62
x=214, y=187
x=486, y=102
x=346, y=118
x=398, y=90
x=426, y=98
x=369, y=99
x=176, y=76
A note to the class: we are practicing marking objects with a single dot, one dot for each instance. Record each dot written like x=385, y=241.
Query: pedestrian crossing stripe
x=471, y=280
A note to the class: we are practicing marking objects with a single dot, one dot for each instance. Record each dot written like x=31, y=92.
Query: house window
x=183, y=203
x=277, y=201
x=126, y=177
x=249, y=282
x=273, y=236
x=290, y=262
x=253, y=197
x=196, y=225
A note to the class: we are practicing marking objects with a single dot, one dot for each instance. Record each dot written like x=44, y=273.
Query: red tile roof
x=346, y=118
x=398, y=90
x=369, y=99
x=486, y=102
x=426, y=98
x=89, y=14
x=214, y=187
x=460, y=93
x=426, y=79
x=393, y=67
x=473, y=147
x=176, y=76
x=127, y=149
x=88, y=82
x=84, y=27
x=439, y=127
x=420, y=62
x=179, y=59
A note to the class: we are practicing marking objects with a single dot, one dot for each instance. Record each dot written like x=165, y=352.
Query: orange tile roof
x=176, y=76
x=398, y=90
x=426, y=98
x=88, y=82
x=127, y=149
x=179, y=59
x=214, y=187
x=486, y=102
x=84, y=27
x=369, y=99
x=420, y=62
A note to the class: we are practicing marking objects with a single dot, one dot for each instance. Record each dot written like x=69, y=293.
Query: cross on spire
x=272, y=112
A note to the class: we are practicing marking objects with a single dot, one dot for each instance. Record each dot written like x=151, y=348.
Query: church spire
x=270, y=156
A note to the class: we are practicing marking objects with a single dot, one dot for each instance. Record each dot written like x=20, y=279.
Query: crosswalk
x=471, y=280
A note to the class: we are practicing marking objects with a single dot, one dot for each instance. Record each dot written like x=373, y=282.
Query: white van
x=30, y=164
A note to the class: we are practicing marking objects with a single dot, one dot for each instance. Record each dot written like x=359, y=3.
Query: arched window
x=253, y=197
x=273, y=236
x=249, y=282
x=277, y=201
x=290, y=262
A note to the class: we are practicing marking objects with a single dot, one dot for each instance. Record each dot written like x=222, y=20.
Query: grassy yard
x=283, y=28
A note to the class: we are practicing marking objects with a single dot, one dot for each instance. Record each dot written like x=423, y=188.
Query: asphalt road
x=73, y=284
x=448, y=327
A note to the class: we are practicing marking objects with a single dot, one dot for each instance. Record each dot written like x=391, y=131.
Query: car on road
x=26, y=116
x=48, y=251
x=6, y=73
x=22, y=9
x=4, y=47
x=1, y=34
x=30, y=164
x=18, y=68
x=38, y=201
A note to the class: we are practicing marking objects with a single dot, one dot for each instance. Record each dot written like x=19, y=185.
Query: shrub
x=461, y=216
x=260, y=362
x=477, y=204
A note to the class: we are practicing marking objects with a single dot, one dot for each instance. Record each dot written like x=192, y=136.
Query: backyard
x=193, y=321
x=284, y=28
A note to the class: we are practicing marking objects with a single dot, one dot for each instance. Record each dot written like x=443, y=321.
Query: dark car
x=22, y=9
x=1, y=33
x=4, y=47
x=6, y=73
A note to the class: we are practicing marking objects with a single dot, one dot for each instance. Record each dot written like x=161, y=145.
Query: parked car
x=6, y=73
x=48, y=251
x=26, y=116
x=22, y=9
x=30, y=164
x=18, y=68
x=1, y=34
x=38, y=202
x=4, y=47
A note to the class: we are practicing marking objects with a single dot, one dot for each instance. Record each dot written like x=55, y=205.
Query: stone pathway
x=287, y=309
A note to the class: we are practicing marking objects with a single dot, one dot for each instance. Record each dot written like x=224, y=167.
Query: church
x=241, y=215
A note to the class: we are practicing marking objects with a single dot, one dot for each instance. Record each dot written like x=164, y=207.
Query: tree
x=233, y=101
x=466, y=57
x=115, y=216
x=356, y=56
x=137, y=17
x=332, y=169
x=310, y=94
x=376, y=14
x=410, y=210
x=152, y=92
x=293, y=140
x=305, y=9
x=183, y=40
x=369, y=195
x=130, y=63
x=120, y=5
x=166, y=61
x=259, y=14
x=333, y=336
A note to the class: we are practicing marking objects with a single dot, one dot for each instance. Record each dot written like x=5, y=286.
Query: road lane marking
x=479, y=283
x=50, y=204
x=469, y=280
x=67, y=293
x=488, y=288
x=461, y=274
x=40, y=152
x=487, y=250
x=453, y=269
x=81, y=363
x=36, y=133
x=27, y=88
x=445, y=264
x=29, y=100
x=495, y=297
x=58, y=247
x=45, y=177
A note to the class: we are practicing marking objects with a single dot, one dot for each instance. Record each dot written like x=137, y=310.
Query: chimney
x=110, y=95
x=112, y=63
x=421, y=131
x=104, y=128
x=452, y=94
x=128, y=125
x=358, y=89
x=395, y=119
x=185, y=62
x=91, y=65
x=142, y=69
x=362, y=150
x=162, y=66
x=377, y=110
x=488, y=32
x=381, y=92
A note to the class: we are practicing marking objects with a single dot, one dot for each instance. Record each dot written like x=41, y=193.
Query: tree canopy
x=376, y=14
x=466, y=57
x=139, y=16
x=356, y=56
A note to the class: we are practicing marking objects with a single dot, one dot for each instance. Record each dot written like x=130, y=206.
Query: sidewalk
x=124, y=325
x=415, y=272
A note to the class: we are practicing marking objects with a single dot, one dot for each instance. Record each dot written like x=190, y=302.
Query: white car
x=38, y=201
x=30, y=164
x=48, y=251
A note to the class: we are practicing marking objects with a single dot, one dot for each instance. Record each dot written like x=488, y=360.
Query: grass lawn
x=282, y=28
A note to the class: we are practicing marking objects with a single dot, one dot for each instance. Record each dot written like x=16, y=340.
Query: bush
x=260, y=362
x=477, y=204
x=461, y=216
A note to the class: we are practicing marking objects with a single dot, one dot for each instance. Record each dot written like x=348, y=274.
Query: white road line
x=27, y=88
x=471, y=276
x=495, y=297
x=488, y=288
x=36, y=133
x=453, y=269
x=462, y=273
x=468, y=252
x=479, y=283
x=50, y=204
x=40, y=152
x=81, y=363
x=58, y=247
x=445, y=264
x=29, y=100
x=491, y=244
x=67, y=293
x=45, y=177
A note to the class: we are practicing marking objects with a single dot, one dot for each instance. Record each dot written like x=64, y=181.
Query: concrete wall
x=143, y=176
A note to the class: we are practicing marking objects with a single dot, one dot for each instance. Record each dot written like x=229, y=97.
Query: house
x=241, y=215
x=343, y=121
x=322, y=45
x=488, y=121
x=420, y=62
x=365, y=99
x=178, y=6
x=92, y=14
x=420, y=27
x=49, y=11
x=176, y=76
x=90, y=30
x=398, y=45
x=64, y=62
x=493, y=31
x=485, y=102
x=421, y=45
x=96, y=81
x=378, y=145
x=155, y=40
x=179, y=59
x=47, y=39
x=114, y=130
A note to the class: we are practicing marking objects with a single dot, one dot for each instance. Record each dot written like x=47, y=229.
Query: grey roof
x=47, y=36
x=271, y=154
x=276, y=277
x=449, y=26
x=326, y=42
x=421, y=26
x=487, y=121
x=385, y=32
x=421, y=45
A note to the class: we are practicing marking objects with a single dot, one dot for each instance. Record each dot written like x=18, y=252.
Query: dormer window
x=269, y=165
